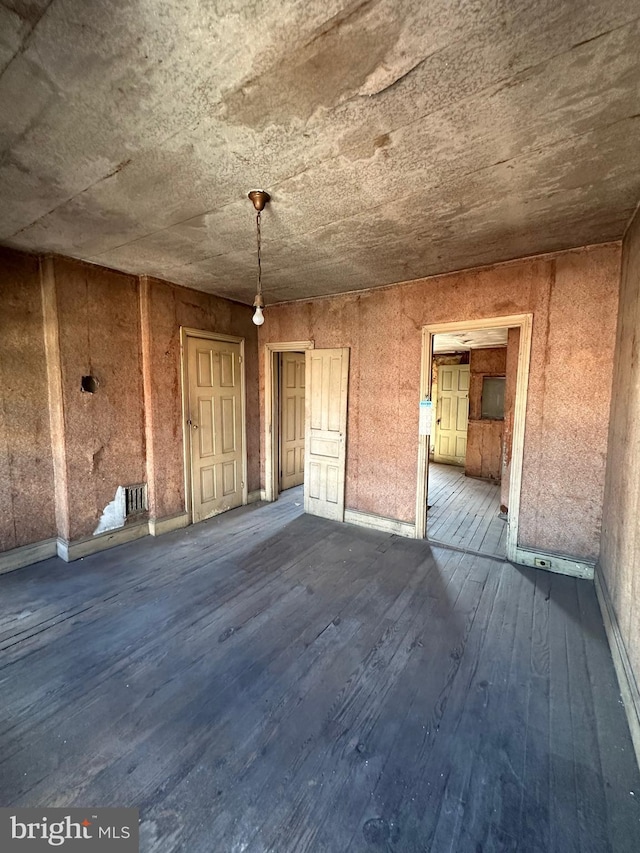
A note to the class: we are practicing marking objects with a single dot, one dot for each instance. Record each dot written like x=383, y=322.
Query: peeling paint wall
x=97, y=322
x=620, y=554
x=27, y=511
x=114, y=515
x=573, y=297
x=99, y=333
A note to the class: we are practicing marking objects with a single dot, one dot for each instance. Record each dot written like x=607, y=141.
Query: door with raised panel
x=452, y=414
x=326, y=431
x=214, y=420
x=292, y=382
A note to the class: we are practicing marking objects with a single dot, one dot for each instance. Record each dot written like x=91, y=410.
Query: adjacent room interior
x=319, y=422
x=473, y=390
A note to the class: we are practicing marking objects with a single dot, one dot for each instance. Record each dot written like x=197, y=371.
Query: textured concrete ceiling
x=399, y=138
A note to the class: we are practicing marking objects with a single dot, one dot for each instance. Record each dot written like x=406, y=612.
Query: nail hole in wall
x=89, y=384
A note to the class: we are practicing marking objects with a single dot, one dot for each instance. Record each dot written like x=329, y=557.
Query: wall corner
x=51, y=333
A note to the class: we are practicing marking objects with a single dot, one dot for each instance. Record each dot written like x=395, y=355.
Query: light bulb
x=258, y=317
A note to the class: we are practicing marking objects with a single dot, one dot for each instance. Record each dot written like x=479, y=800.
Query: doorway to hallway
x=471, y=437
x=475, y=375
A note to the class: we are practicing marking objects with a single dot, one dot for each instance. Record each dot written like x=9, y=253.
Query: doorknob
x=195, y=426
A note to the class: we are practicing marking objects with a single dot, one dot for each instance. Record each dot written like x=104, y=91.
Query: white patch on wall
x=114, y=514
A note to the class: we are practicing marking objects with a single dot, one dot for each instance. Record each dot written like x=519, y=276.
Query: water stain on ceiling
x=398, y=138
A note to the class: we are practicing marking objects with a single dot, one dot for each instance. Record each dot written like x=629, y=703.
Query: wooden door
x=326, y=431
x=292, y=381
x=215, y=424
x=452, y=414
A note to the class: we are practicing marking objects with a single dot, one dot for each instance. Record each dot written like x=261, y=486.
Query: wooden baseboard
x=70, y=551
x=553, y=563
x=25, y=555
x=380, y=522
x=438, y=544
x=158, y=526
x=626, y=679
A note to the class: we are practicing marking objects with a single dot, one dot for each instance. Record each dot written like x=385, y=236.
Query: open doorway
x=291, y=424
x=475, y=376
x=284, y=372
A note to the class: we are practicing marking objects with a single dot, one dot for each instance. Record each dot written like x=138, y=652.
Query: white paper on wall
x=426, y=417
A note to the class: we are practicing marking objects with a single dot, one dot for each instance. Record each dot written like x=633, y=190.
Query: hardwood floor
x=271, y=681
x=464, y=511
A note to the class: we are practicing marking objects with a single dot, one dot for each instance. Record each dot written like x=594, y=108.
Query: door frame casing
x=185, y=334
x=271, y=393
x=525, y=323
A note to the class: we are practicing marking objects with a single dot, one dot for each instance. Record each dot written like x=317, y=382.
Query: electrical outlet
x=542, y=564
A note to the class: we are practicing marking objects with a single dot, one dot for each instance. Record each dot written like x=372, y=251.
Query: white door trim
x=186, y=333
x=271, y=485
x=525, y=323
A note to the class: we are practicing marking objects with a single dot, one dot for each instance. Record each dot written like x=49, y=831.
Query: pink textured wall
x=26, y=468
x=104, y=440
x=620, y=555
x=569, y=401
x=168, y=307
x=98, y=318
x=573, y=297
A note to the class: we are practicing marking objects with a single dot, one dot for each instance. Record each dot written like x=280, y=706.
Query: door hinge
x=239, y=359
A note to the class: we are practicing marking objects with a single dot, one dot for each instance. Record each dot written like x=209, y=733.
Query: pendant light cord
x=258, y=234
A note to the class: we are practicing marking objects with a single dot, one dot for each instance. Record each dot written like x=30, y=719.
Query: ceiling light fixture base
x=259, y=198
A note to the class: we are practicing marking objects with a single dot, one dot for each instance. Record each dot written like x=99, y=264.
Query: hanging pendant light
x=259, y=199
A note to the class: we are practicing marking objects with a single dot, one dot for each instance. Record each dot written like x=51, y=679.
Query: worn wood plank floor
x=464, y=511
x=270, y=681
